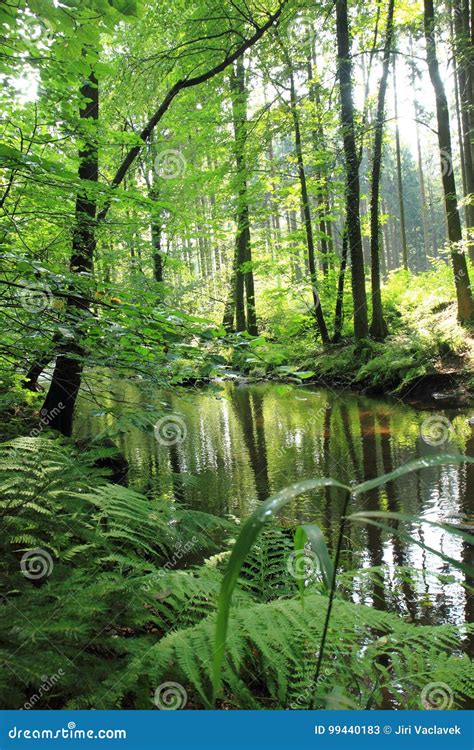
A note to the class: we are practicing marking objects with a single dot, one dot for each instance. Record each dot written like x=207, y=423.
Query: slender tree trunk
x=401, y=202
x=458, y=259
x=378, y=328
x=338, y=314
x=306, y=210
x=62, y=394
x=157, y=252
x=318, y=142
x=229, y=308
x=464, y=62
x=421, y=174
x=361, y=325
x=457, y=104
x=243, y=245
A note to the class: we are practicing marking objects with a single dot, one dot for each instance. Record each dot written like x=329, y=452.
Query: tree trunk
x=401, y=202
x=338, y=314
x=361, y=325
x=461, y=277
x=378, y=328
x=421, y=174
x=463, y=55
x=66, y=381
x=244, y=281
x=318, y=312
x=321, y=192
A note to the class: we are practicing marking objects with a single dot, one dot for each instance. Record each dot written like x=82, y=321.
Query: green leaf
x=244, y=542
x=299, y=541
x=468, y=569
x=369, y=514
x=419, y=463
x=319, y=547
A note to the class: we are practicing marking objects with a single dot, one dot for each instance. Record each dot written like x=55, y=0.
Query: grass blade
x=319, y=547
x=245, y=540
x=419, y=463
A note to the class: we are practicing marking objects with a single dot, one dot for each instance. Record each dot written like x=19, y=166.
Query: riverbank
x=427, y=355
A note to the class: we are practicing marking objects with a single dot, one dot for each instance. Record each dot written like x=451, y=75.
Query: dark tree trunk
x=463, y=54
x=244, y=281
x=461, y=277
x=62, y=394
x=361, y=324
x=306, y=210
x=156, y=245
x=378, y=328
x=229, y=309
x=338, y=314
x=321, y=192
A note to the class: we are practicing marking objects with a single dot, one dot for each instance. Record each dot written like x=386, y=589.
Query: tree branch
x=174, y=91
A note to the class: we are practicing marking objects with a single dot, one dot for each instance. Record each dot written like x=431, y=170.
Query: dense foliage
x=114, y=604
x=207, y=189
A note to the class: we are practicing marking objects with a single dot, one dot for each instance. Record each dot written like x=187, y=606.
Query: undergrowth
x=424, y=337
x=106, y=595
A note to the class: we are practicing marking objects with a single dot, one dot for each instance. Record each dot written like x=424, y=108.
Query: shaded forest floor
x=431, y=361
x=427, y=355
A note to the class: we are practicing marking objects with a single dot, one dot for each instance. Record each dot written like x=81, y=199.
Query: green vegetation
x=205, y=193
x=112, y=618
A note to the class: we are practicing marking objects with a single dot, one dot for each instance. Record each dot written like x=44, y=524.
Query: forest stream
x=235, y=444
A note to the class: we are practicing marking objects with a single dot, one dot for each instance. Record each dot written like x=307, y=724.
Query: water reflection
x=249, y=441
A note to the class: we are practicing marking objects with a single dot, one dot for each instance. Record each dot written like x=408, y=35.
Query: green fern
x=126, y=608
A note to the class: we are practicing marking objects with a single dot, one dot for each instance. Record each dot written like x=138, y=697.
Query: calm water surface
x=244, y=442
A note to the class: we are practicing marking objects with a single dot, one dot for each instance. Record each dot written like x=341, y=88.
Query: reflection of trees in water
x=258, y=439
x=370, y=471
x=399, y=547
x=248, y=408
x=467, y=506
